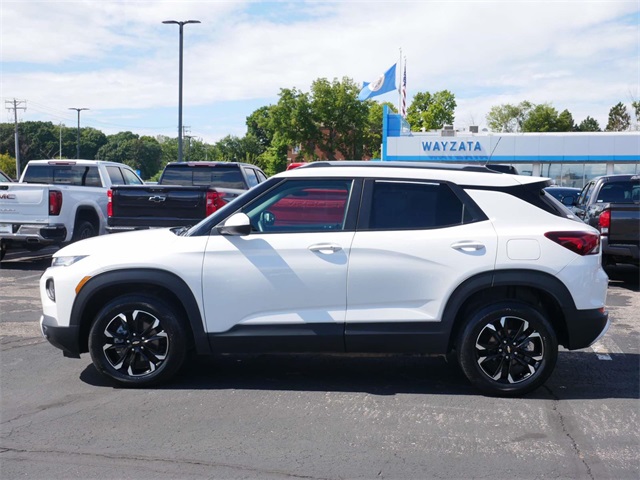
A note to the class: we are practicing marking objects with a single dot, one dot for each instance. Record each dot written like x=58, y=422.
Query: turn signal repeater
x=582, y=243
x=81, y=284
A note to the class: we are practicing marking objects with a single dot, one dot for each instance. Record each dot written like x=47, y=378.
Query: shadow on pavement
x=625, y=276
x=578, y=375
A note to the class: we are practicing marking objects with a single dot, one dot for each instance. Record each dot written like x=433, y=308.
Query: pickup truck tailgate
x=176, y=202
x=23, y=203
x=625, y=224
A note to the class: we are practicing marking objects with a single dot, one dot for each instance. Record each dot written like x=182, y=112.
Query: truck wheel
x=137, y=341
x=507, y=349
x=83, y=229
x=3, y=249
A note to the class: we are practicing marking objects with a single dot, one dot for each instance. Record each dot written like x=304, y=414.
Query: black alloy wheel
x=137, y=341
x=507, y=349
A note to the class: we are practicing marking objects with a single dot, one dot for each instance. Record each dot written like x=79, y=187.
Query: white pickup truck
x=58, y=201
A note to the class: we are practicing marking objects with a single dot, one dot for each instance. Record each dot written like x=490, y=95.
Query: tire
x=83, y=229
x=138, y=341
x=3, y=249
x=507, y=348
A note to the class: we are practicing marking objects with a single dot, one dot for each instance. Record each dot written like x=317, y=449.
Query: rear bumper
x=35, y=234
x=621, y=253
x=585, y=327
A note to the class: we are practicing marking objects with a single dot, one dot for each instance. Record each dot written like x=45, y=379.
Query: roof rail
x=389, y=164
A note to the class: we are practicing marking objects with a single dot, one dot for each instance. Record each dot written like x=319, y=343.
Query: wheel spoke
x=135, y=343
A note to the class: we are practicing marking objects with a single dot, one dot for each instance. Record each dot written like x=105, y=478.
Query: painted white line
x=604, y=347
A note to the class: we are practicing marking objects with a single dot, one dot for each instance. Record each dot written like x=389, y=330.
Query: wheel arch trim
x=537, y=280
x=148, y=277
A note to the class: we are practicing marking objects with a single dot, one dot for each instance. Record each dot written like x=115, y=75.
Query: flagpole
x=400, y=83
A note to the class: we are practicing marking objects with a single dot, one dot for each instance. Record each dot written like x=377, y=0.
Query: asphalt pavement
x=313, y=416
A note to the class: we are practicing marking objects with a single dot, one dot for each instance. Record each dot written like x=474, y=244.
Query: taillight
x=582, y=243
x=604, y=221
x=109, y=203
x=55, y=202
x=215, y=200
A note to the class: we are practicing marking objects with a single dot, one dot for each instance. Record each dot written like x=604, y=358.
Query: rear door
x=416, y=241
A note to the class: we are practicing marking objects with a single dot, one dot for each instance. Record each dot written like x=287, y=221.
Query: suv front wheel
x=507, y=349
x=137, y=340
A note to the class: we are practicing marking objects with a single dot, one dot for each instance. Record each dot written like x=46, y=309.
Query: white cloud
x=114, y=55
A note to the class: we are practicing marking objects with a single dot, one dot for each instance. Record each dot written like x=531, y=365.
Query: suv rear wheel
x=507, y=349
x=137, y=340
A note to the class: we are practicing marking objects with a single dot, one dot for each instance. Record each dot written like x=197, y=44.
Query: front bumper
x=64, y=338
x=585, y=327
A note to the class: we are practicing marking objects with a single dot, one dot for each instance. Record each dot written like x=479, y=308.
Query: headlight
x=66, y=261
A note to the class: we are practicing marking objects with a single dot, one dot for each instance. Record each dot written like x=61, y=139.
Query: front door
x=282, y=287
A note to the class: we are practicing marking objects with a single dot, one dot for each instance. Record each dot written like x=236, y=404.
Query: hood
x=115, y=245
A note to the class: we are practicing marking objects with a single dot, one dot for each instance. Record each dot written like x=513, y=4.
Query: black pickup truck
x=186, y=193
x=611, y=204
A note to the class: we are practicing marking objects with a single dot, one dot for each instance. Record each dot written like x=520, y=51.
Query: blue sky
x=118, y=59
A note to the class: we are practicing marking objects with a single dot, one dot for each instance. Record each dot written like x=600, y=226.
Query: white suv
x=343, y=257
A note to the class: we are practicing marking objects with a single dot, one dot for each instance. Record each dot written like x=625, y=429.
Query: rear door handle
x=468, y=246
x=325, y=248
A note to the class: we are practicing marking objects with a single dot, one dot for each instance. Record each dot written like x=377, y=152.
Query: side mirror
x=237, y=224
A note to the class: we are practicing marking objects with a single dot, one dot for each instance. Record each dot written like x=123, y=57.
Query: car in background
x=566, y=195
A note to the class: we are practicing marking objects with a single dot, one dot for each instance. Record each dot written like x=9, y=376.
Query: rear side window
x=115, y=174
x=79, y=175
x=219, y=176
x=130, y=177
x=252, y=180
x=397, y=205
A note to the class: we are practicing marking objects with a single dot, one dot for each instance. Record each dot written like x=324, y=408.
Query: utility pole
x=78, y=136
x=16, y=105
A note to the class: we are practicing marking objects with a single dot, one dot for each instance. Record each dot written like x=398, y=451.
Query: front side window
x=398, y=205
x=301, y=206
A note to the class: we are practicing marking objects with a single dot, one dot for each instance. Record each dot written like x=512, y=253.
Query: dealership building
x=569, y=158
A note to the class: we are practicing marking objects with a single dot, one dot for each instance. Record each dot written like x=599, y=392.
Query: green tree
x=259, y=126
x=636, y=110
x=619, y=119
x=507, y=117
x=140, y=153
x=545, y=118
x=8, y=164
x=292, y=122
x=373, y=130
x=589, y=124
x=431, y=112
x=341, y=119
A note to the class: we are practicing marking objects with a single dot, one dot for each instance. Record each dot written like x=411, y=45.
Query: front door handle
x=468, y=246
x=325, y=248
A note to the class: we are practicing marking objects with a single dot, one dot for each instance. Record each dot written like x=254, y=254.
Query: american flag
x=403, y=111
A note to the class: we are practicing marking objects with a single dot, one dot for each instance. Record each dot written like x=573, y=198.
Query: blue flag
x=383, y=84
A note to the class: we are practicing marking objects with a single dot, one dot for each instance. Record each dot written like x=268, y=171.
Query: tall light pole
x=181, y=24
x=78, y=136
